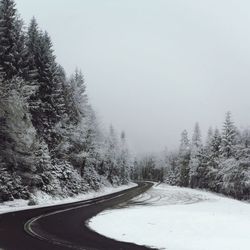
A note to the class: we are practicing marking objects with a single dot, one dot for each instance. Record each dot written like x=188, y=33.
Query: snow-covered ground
x=44, y=200
x=175, y=218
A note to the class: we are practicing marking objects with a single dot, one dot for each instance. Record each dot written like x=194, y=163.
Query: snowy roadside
x=177, y=218
x=44, y=200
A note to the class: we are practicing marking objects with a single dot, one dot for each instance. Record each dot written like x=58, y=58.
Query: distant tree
x=111, y=157
x=209, y=138
x=124, y=160
x=228, y=140
x=172, y=171
x=196, y=147
x=184, y=158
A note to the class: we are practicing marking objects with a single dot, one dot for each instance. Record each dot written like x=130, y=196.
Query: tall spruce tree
x=13, y=56
x=32, y=43
x=184, y=158
x=228, y=140
x=48, y=103
x=194, y=163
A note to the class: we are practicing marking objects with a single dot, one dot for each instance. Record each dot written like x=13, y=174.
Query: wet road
x=63, y=226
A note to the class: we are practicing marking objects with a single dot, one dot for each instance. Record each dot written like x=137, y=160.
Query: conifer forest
x=51, y=139
x=124, y=125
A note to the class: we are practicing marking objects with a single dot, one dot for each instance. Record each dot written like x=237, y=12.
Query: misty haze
x=169, y=64
x=124, y=124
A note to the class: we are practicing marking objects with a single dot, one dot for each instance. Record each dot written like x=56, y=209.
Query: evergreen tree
x=209, y=139
x=124, y=160
x=196, y=147
x=215, y=144
x=32, y=43
x=211, y=155
x=243, y=145
x=228, y=141
x=48, y=103
x=18, y=138
x=13, y=53
x=184, y=158
x=172, y=173
x=111, y=159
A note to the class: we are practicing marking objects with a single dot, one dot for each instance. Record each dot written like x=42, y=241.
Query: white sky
x=154, y=67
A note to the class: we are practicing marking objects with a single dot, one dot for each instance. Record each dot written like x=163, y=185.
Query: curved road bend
x=63, y=226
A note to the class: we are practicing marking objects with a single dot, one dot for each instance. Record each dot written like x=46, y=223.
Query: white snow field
x=44, y=200
x=175, y=218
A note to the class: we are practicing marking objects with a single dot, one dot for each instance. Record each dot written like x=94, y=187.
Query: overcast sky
x=154, y=67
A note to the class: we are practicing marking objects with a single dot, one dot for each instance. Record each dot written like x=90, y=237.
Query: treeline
x=221, y=164
x=148, y=167
x=50, y=139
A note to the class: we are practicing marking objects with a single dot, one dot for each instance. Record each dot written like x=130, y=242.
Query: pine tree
x=79, y=94
x=124, y=160
x=172, y=173
x=196, y=139
x=215, y=144
x=17, y=134
x=184, y=145
x=47, y=105
x=243, y=145
x=184, y=158
x=32, y=43
x=196, y=147
x=92, y=142
x=209, y=138
x=13, y=53
x=228, y=141
x=111, y=157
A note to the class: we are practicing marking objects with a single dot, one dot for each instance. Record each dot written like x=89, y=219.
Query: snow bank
x=44, y=199
x=176, y=218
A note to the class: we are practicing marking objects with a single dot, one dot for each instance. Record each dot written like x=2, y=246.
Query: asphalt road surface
x=63, y=226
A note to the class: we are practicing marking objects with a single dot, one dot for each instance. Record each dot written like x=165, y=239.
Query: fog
x=154, y=67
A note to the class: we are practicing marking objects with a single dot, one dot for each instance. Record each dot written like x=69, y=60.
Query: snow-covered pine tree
x=13, y=53
x=32, y=43
x=215, y=144
x=243, y=145
x=196, y=146
x=21, y=50
x=92, y=148
x=184, y=158
x=210, y=156
x=171, y=173
x=79, y=93
x=48, y=103
x=209, y=138
x=234, y=167
x=228, y=141
x=111, y=157
x=76, y=121
x=17, y=134
x=124, y=160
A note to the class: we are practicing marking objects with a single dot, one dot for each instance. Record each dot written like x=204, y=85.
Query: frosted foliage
x=228, y=137
x=184, y=144
x=50, y=138
x=196, y=140
x=221, y=165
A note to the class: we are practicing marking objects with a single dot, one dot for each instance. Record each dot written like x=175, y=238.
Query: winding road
x=64, y=226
